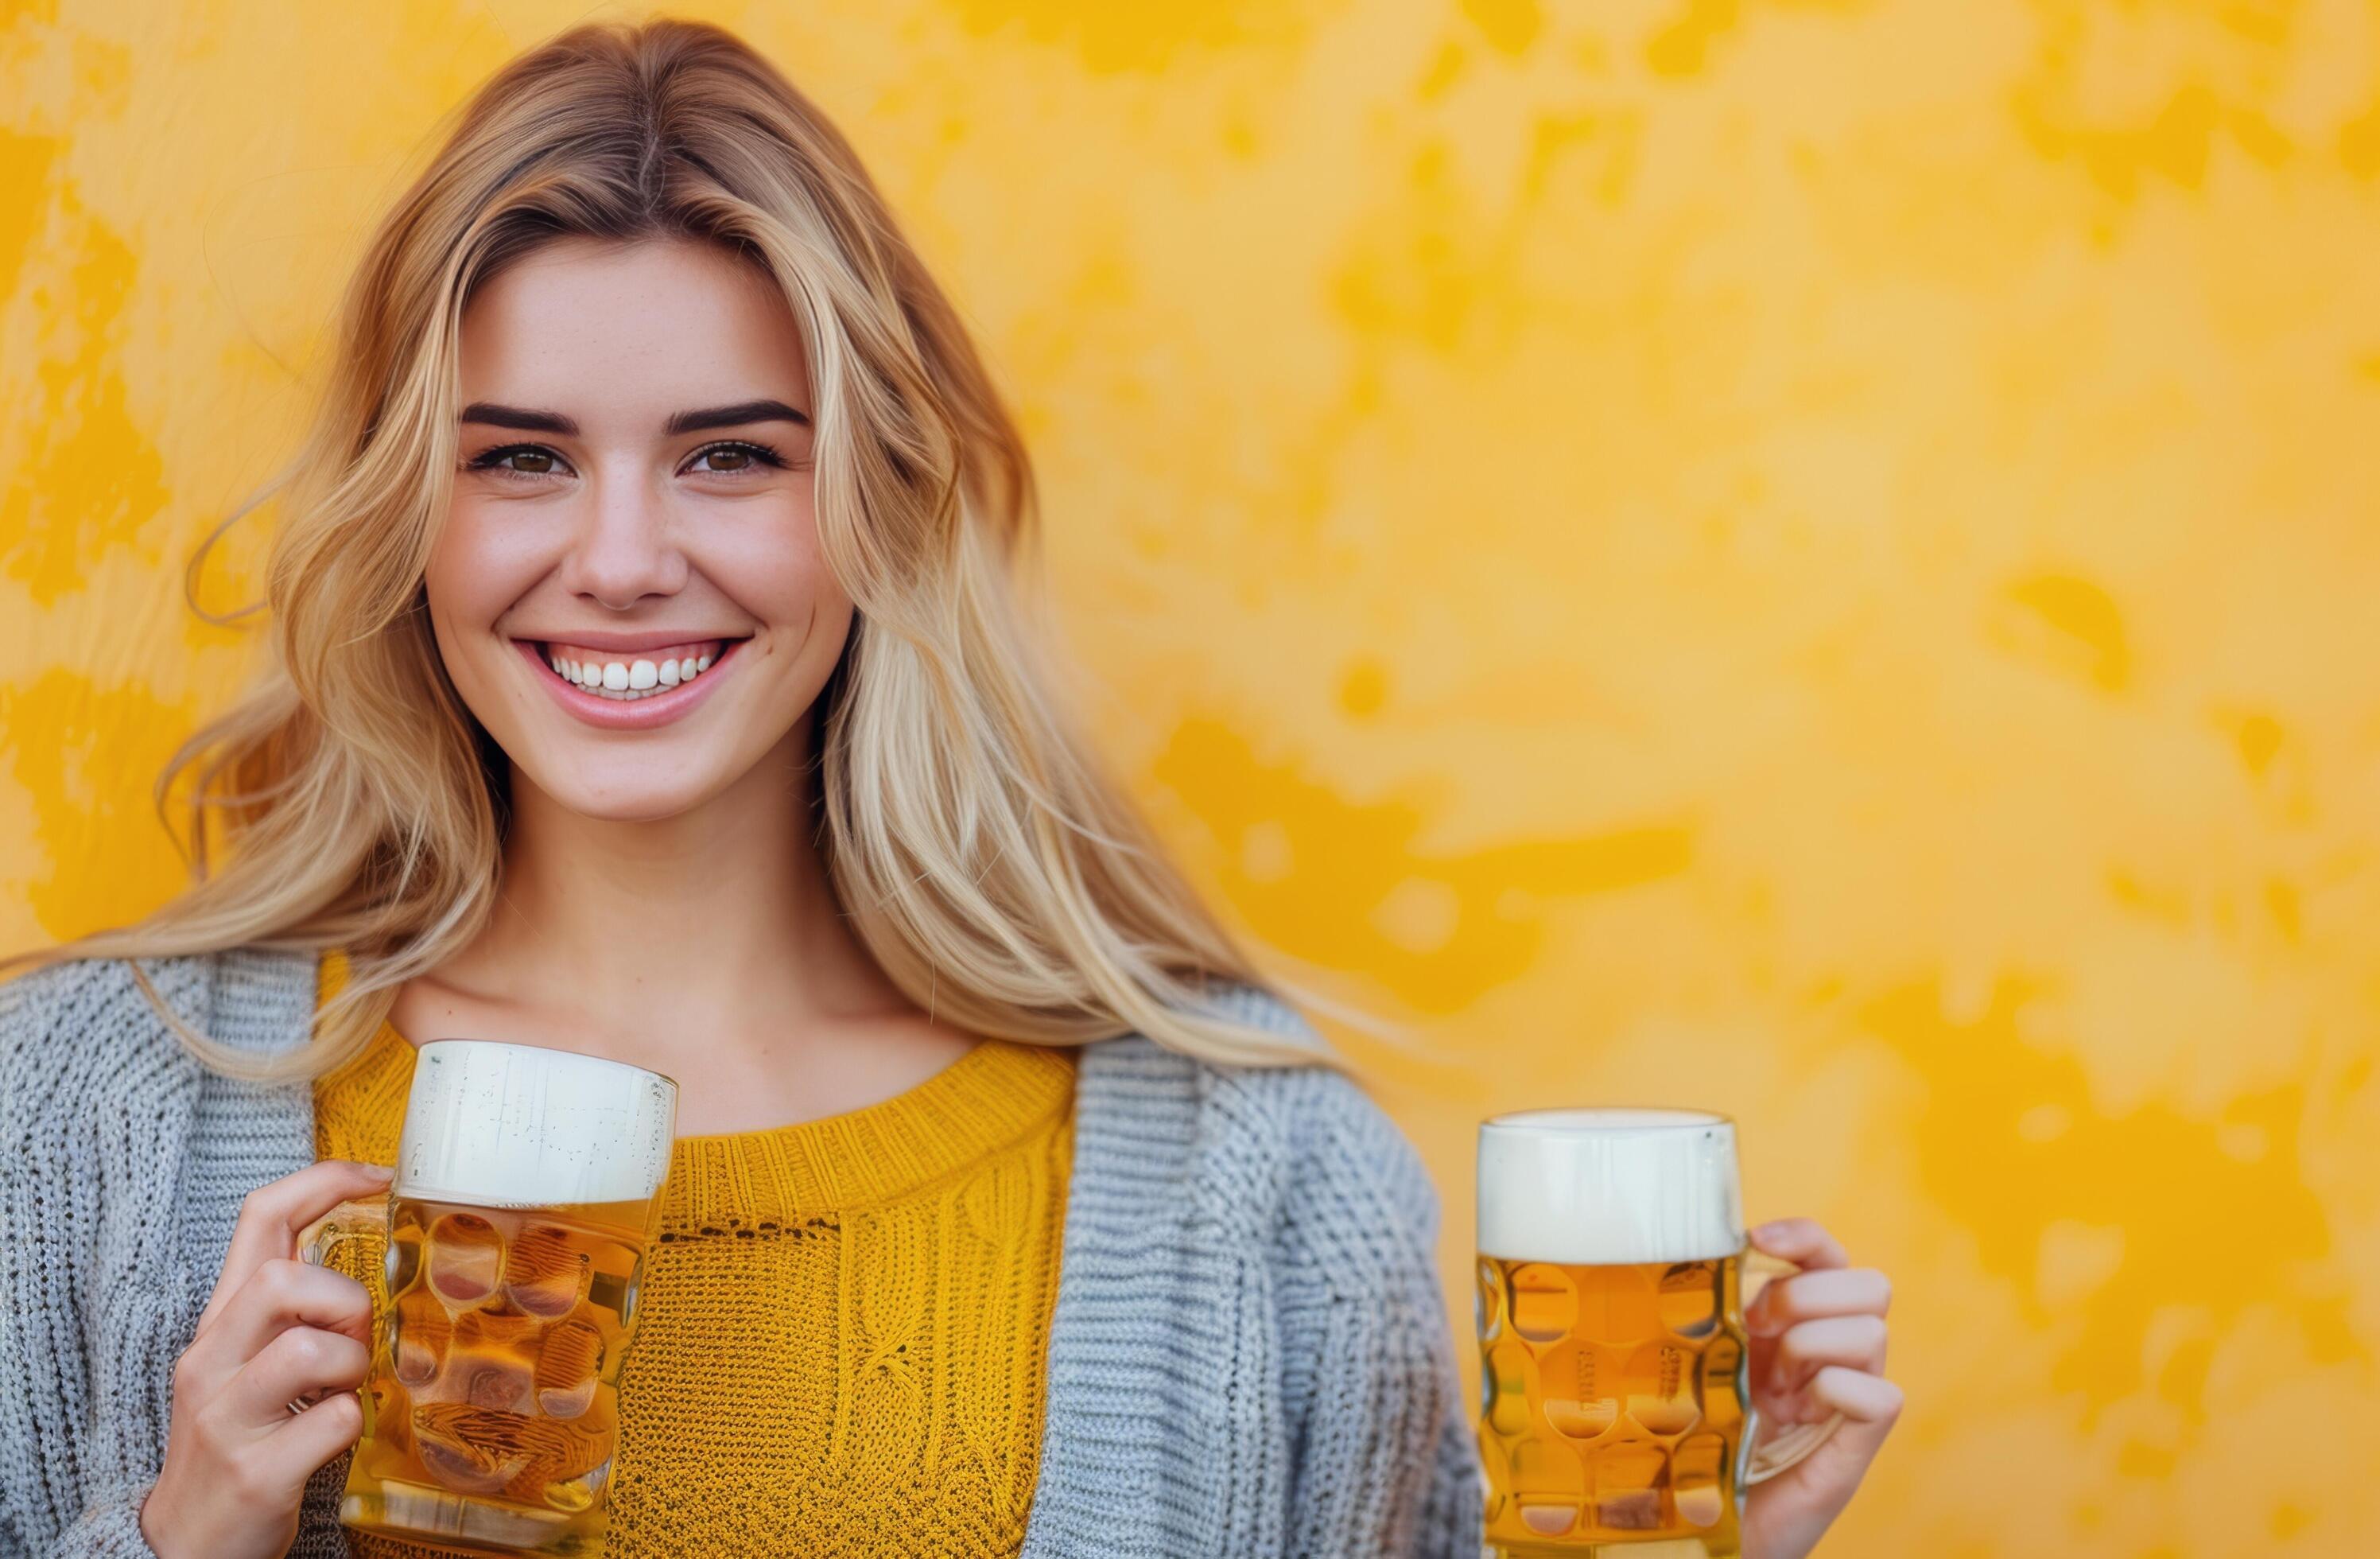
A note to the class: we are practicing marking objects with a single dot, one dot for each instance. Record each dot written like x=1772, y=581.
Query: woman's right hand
x=237, y=1459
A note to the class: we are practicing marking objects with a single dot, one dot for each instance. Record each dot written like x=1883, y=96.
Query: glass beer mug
x=1616, y=1411
x=503, y=1264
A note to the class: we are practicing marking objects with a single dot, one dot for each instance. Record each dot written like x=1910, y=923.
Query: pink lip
x=623, y=643
x=643, y=714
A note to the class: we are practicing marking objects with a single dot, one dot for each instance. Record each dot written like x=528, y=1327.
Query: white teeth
x=626, y=681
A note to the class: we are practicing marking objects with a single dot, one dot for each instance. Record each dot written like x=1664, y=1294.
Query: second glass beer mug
x=1616, y=1413
x=504, y=1265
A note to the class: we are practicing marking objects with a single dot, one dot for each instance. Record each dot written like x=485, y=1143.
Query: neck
x=622, y=918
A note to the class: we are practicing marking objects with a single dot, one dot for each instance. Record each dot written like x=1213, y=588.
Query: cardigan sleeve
x=1451, y=1520
x=109, y=1528
x=1383, y=1460
x=81, y=1274
x=98, y=1130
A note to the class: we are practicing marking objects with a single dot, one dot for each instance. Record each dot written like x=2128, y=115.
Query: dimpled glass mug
x=1616, y=1412
x=503, y=1264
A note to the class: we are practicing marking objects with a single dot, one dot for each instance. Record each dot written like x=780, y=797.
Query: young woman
x=647, y=682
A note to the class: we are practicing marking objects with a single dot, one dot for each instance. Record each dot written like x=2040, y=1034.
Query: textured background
x=1805, y=558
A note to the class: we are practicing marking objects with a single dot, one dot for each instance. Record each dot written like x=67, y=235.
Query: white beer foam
x=517, y=1125
x=1609, y=1187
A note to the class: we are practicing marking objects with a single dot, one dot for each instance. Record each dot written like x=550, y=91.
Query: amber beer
x=1616, y=1414
x=503, y=1264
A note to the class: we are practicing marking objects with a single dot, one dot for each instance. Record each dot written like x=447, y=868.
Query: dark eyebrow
x=528, y=421
x=733, y=416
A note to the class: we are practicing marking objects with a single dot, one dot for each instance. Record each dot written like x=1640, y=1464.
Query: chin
x=626, y=798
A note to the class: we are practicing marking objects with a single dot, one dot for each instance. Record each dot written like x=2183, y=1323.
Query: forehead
x=589, y=327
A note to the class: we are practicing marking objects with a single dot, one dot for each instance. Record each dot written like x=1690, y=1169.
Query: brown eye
x=735, y=458
x=520, y=460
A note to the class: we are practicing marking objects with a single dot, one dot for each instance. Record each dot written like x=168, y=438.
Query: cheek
x=778, y=574
x=478, y=568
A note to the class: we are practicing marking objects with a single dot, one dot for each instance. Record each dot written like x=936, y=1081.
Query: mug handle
x=363, y=1218
x=326, y=1242
x=1779, y=1451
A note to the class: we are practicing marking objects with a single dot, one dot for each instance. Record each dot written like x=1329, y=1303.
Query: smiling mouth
x=625, y=677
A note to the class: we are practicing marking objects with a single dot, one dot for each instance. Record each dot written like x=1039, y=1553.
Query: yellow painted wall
x=1809, y=557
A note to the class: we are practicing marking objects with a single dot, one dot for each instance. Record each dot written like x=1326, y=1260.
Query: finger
x=301, y=1363
x=1870, y=1406
x=1854, y=1341
x=1812, y=1295
x=307, y=1440
x=271, y=1216
x=278, y=1295
x=1803, y=1242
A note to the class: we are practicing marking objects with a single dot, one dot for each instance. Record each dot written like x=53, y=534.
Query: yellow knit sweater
x=843, y=1323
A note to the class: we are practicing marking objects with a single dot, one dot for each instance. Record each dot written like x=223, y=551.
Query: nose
x=627, y=546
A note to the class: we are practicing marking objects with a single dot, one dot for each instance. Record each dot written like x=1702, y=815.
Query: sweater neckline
x=992, y=1098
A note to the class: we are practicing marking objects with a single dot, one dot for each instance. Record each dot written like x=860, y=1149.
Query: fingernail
x=1768, y=1231
x=385, y=1172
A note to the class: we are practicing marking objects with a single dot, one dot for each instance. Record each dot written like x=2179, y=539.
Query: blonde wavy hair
x=987, y=864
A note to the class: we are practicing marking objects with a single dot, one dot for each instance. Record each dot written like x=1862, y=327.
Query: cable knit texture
x=842, y=1323
x=1248, y=1354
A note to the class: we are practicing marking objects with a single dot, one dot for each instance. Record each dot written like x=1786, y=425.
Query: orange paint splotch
x=1120, y=39
x=1684, y=47
x=1348, y=884
x=86, y=755
x=2206, y=1233
x=1510, y=26
x=2066, y=624
x=90, y=479
x=2258, y=739
x=1364, y=687
x=25, y=166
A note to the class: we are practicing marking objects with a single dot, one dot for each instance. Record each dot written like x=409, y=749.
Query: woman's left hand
x=1817, y=1348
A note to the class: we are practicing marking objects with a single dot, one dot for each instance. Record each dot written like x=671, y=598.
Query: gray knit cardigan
x=1248, y=1356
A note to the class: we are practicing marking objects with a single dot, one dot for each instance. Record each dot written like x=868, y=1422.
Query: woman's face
x=633, y=501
